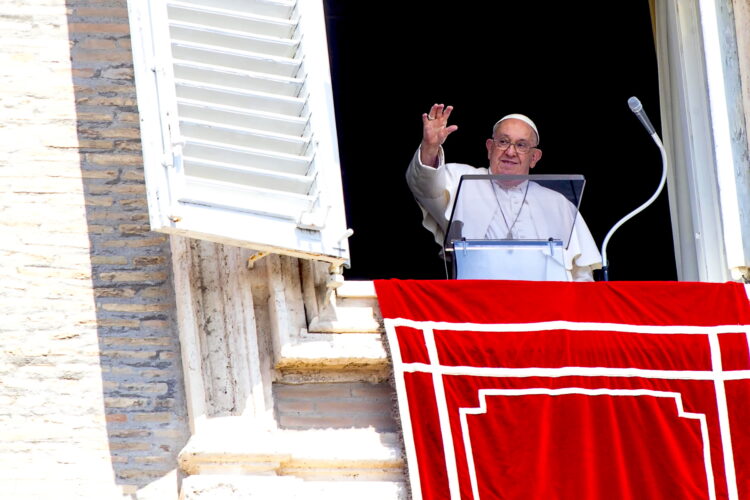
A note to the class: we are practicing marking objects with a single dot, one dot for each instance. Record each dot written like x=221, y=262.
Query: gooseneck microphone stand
x=637, y=108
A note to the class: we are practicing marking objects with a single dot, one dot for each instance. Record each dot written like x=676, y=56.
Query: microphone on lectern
x=637, y=108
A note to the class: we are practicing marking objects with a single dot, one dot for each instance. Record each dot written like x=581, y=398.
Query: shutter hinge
x=314, y=219
x=167, y=160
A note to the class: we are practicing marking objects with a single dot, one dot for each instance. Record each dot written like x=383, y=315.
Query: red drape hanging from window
x=523, y=390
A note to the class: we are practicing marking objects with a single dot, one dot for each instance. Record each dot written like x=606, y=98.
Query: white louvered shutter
x=237, y=122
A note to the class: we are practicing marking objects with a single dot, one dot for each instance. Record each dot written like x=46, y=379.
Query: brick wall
x=335, y=406
x=91, y=386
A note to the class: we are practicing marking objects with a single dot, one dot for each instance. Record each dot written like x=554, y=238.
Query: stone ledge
x=354, y=309
x=230, y=445
x=351, y=320
x=318, y=357
x=357, y=289
x=312, y=347
x=220, y=487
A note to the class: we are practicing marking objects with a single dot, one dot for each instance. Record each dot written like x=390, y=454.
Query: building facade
x=143, y=364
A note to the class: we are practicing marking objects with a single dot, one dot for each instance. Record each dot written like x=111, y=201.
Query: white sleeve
x=431, y=188
x=584, y=273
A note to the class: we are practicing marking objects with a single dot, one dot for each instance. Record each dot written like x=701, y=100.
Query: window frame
x=701, y=108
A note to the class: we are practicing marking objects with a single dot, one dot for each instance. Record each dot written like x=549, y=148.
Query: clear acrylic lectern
x=512, y=227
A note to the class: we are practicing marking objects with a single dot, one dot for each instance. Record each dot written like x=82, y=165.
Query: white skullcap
x=517, y=116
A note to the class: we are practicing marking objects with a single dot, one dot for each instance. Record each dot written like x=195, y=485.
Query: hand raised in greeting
x=435, y=130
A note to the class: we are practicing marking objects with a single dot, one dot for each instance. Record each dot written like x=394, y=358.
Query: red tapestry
x=547, y=390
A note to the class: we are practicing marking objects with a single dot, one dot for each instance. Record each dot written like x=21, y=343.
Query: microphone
x=637, y=108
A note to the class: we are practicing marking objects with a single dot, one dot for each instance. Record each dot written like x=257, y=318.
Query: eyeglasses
x=521, y=146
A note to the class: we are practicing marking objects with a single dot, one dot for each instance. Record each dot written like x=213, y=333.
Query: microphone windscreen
x=635, y=104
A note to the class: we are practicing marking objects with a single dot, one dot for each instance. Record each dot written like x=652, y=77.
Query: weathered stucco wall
x=742, y=29
x=91, y=393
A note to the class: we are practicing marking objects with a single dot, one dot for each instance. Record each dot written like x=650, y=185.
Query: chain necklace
x=510, y=227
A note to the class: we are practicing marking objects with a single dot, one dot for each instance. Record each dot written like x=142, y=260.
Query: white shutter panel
x=237, y=122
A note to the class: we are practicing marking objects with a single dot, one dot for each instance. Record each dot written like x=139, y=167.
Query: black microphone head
x=635, y=104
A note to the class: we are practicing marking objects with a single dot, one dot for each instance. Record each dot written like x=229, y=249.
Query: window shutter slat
x=251, y=100
x=232, y=195
x=242, y=100
x=238, y=79
x=217, y=38
x=246, y=156
x=240, y=19
x=281, y=9
x=236, y=58
x=266, y=179
x=236, y=136
x=233, y=116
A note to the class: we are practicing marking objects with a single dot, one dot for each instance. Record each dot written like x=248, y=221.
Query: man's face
x=510, y=161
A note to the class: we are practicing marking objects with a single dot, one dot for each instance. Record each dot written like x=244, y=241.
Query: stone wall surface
x=91, y=392
x=335, y=406
x=742, y=29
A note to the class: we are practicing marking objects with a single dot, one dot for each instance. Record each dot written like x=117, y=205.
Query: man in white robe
x=523, y=211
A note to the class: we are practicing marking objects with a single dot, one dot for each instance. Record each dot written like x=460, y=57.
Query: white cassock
x=527, y=211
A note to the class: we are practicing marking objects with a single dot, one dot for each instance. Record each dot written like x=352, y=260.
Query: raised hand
x=435, y=130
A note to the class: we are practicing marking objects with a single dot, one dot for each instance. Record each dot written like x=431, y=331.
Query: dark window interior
x=571, y=67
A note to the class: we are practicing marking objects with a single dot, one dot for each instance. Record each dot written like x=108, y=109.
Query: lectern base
x=530, y=260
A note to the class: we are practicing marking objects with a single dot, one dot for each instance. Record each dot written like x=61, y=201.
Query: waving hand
x=435, y=130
